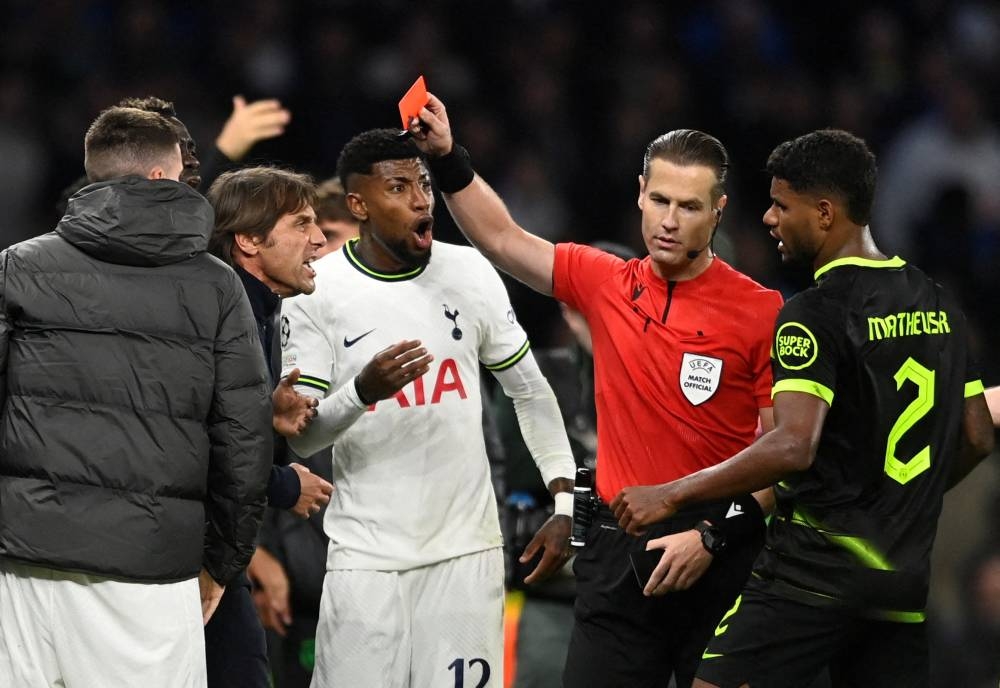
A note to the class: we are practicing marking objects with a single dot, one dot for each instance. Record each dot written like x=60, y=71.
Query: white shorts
x=438, y=625
x=78, y=630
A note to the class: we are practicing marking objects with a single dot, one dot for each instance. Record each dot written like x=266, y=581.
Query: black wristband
x=357, y=389
x=452, y=172
x=739, y=519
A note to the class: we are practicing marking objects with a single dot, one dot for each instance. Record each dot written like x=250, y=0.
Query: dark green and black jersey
x=886, y=348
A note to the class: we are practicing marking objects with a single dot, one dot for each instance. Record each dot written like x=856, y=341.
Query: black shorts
x=622, y=638
x=770, y=640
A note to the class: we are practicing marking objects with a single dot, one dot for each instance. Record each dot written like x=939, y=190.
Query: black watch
x=712, y=538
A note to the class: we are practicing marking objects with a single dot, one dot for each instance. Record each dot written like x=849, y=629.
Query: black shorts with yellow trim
x=772, y=639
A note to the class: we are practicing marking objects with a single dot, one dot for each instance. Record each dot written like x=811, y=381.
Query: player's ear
x=642, y=190
x=826, y=212
x=356, y=204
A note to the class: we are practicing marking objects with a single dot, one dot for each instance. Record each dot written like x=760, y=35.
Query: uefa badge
x=699, y=377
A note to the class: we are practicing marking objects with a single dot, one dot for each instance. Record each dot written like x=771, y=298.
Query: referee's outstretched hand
x=432, y=132
x=637, y=507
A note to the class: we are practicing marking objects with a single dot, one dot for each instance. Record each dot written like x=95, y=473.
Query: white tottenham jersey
x=412, y=478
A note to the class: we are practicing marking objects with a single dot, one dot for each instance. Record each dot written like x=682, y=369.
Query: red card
x=413, y=102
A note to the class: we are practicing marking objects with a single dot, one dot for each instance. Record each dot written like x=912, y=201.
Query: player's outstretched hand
x=431, y=132
x=637, y=507
x=291, y=412
x=392, y=369
x=553, y=539
x=250, y=123
x=684, y=561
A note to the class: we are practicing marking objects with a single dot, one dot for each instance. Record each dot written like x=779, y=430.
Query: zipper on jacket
x=670, y=297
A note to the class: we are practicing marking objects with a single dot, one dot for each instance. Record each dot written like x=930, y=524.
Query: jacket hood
x=136, y=221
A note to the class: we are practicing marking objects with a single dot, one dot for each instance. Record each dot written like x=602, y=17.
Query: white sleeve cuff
x=564, y=504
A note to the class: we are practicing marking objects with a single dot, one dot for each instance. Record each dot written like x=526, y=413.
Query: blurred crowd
x=556, y=102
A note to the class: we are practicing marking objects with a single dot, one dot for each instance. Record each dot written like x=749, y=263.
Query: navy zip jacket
x=283, y=486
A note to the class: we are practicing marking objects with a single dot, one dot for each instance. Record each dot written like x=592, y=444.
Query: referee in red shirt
x=682, y=381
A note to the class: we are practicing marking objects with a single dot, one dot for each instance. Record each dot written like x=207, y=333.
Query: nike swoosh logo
x=352, y=342
x=734, y=510
x=709, y=655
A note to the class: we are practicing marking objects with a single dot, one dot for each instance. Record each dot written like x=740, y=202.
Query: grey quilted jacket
x=135, y=435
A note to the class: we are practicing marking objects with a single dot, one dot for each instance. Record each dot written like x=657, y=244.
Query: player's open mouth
x=309, y=268
x=423, y=230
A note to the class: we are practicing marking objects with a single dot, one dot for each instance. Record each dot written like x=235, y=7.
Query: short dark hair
x=251, y=201
x=331, y=202
x=370, y=147
x=150, y=104
x=690, y=147
x=124, y=140
x=829, y=161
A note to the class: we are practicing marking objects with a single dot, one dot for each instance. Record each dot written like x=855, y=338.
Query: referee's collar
x=706, y=275
x=857, y=261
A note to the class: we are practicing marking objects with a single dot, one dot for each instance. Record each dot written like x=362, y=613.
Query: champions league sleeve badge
x=699, y=377
x=286, y=331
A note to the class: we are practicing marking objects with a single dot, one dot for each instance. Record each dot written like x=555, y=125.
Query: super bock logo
x=699, y=377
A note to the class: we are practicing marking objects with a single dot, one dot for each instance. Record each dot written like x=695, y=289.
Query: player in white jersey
x=414, y=588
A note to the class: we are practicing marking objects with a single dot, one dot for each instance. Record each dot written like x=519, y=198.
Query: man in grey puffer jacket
x=135, y=435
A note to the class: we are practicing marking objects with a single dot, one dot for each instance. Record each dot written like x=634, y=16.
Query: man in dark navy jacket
x=265, y=227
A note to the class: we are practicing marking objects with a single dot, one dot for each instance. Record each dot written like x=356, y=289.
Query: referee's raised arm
x=477, y=209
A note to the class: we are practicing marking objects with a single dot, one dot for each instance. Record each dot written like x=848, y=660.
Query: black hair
x=370, y=147
x=829, y=161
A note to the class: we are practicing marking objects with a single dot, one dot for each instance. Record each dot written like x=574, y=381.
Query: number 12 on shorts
x=458, y=666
